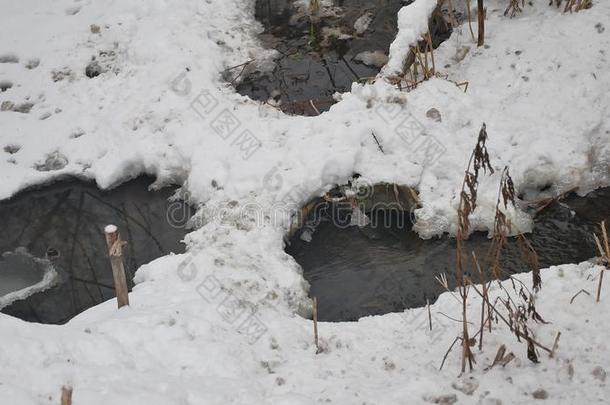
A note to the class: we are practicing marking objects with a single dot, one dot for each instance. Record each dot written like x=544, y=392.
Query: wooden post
x=481, y=19
x=315, y=323
x=115, y=252
x=66, y=395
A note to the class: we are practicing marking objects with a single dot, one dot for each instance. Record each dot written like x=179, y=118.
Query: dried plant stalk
x=481, y=21
x=479, y=159
x=604, y=251
x=469, y=18
x=514, y=8
x=573, y=5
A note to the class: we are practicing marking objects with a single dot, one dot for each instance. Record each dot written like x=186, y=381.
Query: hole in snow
x=320, y=52
x=9, y=58
x=12, y=149
x=32, y=63
x=383, y=266
x=62, y=224
x=53, y=161
x=5, y=85
x=23, y=108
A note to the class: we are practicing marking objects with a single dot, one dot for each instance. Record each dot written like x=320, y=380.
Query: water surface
x=65, y=223
x=373, y=270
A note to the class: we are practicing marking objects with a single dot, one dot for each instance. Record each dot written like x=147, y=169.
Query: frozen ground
x=160, y=106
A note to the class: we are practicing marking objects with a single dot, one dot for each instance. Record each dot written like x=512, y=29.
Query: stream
x=386, y=267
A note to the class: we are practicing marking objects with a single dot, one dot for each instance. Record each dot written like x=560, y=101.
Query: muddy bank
x=64, y=223
x=385, y=267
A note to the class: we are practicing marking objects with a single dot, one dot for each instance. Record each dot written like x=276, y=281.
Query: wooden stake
x=66, y=395
x=115, y=252
x=315, y=323
x=481, y=18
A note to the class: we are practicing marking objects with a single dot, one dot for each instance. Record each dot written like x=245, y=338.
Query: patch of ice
x=48, y=280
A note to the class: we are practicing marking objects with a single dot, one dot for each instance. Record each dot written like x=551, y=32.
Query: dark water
x=66, y=220
x=373, y=270
x=314, y=63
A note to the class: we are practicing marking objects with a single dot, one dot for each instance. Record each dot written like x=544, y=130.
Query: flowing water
x=383, y=268
x=64, y=223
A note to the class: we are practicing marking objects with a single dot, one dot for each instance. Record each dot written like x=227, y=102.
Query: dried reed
x=604, y=252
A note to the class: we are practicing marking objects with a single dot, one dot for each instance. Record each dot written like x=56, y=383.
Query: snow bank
x=412, y=23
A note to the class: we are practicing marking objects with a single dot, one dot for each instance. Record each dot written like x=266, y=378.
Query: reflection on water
x=356, y=272
x=65, y=222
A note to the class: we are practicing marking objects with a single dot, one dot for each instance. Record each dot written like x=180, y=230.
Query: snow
x=110, y=229
x=154, y=110
x=412, y=23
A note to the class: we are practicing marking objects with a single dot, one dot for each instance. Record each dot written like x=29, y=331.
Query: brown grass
x=479, y=159
x=573, y=5
x=514, y=8
x=604, y=251
x=516, y=308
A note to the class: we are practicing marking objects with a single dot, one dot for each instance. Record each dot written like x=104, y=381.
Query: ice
x=22, y=275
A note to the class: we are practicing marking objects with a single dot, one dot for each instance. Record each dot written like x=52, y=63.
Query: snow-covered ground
x=224, y=323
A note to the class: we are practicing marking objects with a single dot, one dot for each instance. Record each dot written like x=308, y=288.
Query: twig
x=605, y=254
x=377, y=141
x=240, y=65
x=449, y=351
x=431, y=48
x=314, y=107
x=501, y=358
x=577, y=294
x=555, y=345
x=516, y=331
x=483, y=303
x=452, y=319
x=465, y=84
